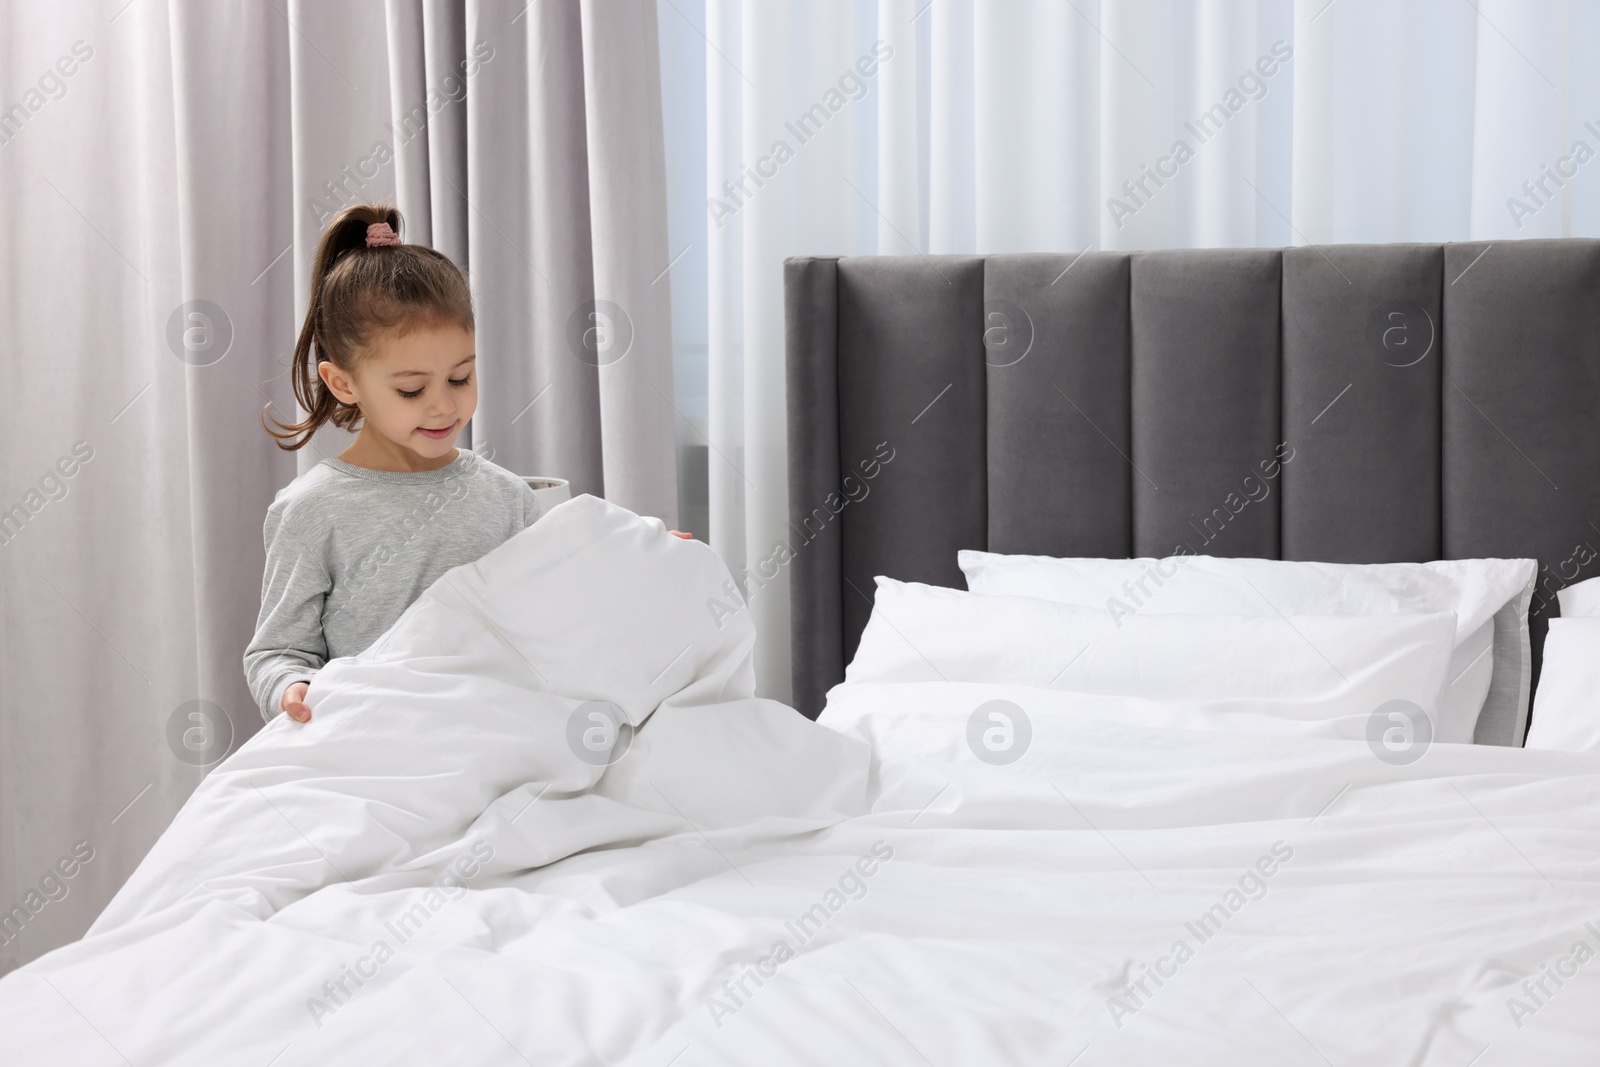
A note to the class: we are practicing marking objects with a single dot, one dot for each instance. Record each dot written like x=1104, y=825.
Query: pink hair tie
x=380, y=234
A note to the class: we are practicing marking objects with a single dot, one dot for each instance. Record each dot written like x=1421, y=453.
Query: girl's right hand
x=294, y=702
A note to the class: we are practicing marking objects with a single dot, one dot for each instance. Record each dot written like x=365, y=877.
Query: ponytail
x=358, y=290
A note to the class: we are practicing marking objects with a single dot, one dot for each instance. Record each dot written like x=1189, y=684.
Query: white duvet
x=442, y=868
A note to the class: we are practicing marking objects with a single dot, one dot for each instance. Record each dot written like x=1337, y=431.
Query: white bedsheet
x=933, y=908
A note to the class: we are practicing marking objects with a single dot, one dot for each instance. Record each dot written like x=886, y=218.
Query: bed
x=545, y=819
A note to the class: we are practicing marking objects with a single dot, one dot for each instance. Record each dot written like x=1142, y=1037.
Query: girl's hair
x=357, y=291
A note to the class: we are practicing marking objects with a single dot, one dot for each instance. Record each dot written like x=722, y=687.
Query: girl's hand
x=294, y=702
x=680, y=533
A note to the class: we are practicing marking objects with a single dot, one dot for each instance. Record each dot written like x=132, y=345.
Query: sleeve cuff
x=274, y=705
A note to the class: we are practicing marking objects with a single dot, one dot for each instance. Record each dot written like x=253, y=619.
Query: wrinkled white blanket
x=443, y=867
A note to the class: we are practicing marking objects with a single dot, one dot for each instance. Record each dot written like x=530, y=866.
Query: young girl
x=388, y=344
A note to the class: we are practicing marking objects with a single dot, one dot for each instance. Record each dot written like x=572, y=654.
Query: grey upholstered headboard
x=1440, y=401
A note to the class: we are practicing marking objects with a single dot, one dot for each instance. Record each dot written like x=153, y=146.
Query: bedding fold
x=473, y=718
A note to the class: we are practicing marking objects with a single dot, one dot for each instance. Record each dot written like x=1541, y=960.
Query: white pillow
x=1298, y=667
x=1487, y=596
x=1566, y=709
x=1581, y=600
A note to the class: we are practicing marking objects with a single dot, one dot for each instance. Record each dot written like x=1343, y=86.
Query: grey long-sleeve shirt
x=349, y=549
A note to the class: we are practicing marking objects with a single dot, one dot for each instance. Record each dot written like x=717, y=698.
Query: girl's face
x=416, y=390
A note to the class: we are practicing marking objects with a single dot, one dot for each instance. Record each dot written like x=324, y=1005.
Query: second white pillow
x=1302, y=667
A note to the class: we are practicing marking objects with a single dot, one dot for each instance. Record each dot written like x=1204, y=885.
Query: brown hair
x=357, y=291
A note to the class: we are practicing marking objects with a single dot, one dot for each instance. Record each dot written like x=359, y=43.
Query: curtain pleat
x=632, y=287
x=528, y=214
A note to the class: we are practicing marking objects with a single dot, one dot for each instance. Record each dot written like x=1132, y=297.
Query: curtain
x=165, y=171
x=852, y=127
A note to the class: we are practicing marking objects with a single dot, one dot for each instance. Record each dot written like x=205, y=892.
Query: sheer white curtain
x=1055, y=125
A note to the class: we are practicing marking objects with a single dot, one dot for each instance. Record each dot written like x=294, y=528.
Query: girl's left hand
x=680, y=533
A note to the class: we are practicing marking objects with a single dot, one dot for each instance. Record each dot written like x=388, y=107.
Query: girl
x=388, y=344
